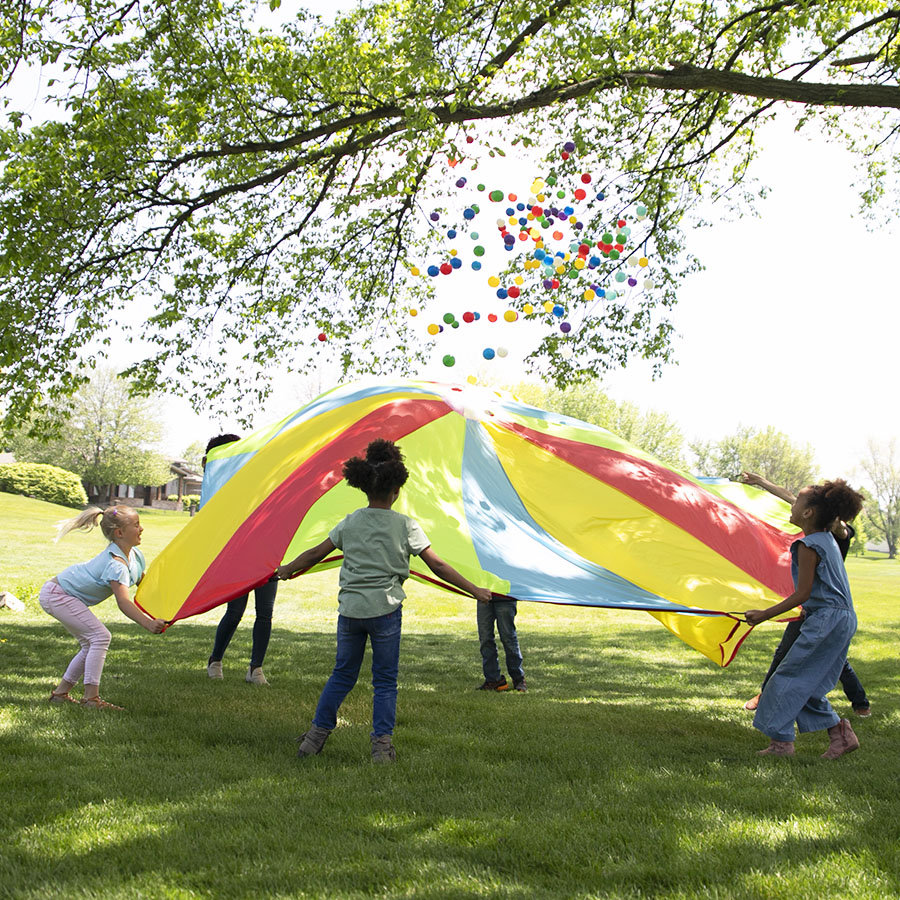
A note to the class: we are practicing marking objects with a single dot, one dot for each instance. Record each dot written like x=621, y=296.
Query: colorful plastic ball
x=607, y=237
x=477, y=315
x=555, y=283
x=641, y=210
x=540, y=253
x=569, y=146
x=565, y=327
x=449, y=317
x=323, y=336
x=454, y=324
x=594, y=261
x=476, y=265
x=643, y=262
x=488, y=353
x=620, y=276
x=446, y=268
x=611, y=295
x=434, y=216
x=601, y=195
x=564, y=155
x=548, y=284
x=509, y=239
x=513, y=292
x=589, y=294
x=451, y=233
x=632, y=282
x=496, y=196
x=621, y=238
x=502, y=351
x=580, y=194
x=474, y=235
x=557, y=235
x=528, y=309
x=434, y=329
x=449, y=361
x=480, y=187
x=585, y=178
x=614, y=254
x=520, y=207
x=493, y=281
x=492, y=317
x=470, y=139
x=414, y=270
x=469, y=213
x=648, y=284
x=510, y=315
x=433, y=270
x=461, y=182
x=502, y=293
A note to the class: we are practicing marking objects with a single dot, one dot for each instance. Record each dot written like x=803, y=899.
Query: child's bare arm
x=447, y=573
x=306, y=560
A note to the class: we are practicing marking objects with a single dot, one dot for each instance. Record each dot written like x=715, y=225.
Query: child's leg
x=384, y=633
x=229, y=622
x=351, y=644
x=505, y=613
x=86, y=628
x=853, y=688
x=791, y=632
x=262, y=625
x=490, y=663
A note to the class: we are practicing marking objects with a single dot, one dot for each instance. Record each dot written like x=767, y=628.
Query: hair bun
x=380, y=451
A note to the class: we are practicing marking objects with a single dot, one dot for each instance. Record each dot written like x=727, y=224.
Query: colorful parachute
x=528, y=503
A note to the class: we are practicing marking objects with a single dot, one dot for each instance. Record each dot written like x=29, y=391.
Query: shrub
x=43, y=482
x=187, y=500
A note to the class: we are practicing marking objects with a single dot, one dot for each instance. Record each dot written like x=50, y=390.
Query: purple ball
x=435, y=216
x=548, y=283
x=569, y=146
x=632, y=282
x=565, y=327
x=461, y=182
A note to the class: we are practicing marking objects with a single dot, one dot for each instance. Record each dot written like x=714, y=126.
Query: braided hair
x=834, y=500
x=380, y=473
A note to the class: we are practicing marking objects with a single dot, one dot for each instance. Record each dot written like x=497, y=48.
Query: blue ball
x=558, y=310
x=451, y=233
x=601, y=196
x=502, y=293
x=539, y=253
x=476, y=265
x=520, y=207
x=469, y=213
x=456, y=262
x=487, y=353
x=460, y=182
x=433, y=270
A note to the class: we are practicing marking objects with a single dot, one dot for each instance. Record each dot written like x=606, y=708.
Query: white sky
x=793, y=323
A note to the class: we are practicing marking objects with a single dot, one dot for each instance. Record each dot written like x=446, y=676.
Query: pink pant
x=83, y=625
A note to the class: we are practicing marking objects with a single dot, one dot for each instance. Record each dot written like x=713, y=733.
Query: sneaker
x=778, y=748
x=520, y=686
x=97, y=703
x=382, y=749
x=500, y=685
x=843, y=740
x=313, y=741
x=863, y=711
x=752, y=703
x=255, y=676
x=214, y=670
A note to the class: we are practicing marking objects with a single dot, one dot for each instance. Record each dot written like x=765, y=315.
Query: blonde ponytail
x=109, y=520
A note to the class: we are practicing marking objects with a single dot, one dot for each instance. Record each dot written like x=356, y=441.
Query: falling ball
x=449, y=361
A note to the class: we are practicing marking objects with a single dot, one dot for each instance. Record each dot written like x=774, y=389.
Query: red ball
x=513, y=292
x=583, y=249
x=537, y=210
x=492, y=317
x=470, y=139
x=446, y=268
x=620, y=247
x=585, y=179
x=555, y=283
x=564, y=155
x=580, y=194
x=621, y=223
x=323, y=336
x=468, y=317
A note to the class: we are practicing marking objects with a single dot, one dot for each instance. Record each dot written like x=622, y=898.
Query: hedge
x=43, y=482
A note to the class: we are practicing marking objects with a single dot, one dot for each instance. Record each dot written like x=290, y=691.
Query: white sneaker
x=255, y=676
x=214, y=670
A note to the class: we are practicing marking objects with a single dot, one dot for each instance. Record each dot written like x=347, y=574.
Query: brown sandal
x=62, y=697
x=97, y=703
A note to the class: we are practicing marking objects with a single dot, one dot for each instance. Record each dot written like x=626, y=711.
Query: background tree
x=193, y=455
x=108, y=439
x=240, y=182
x=768, y=452
x=882, y=470
x=653, y=431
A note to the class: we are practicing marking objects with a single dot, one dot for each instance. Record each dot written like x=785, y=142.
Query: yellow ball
x=453, y=252
x=513, y=220
x=579, y=263
x=519, y=279
x=643, y=262
x=528, y=309
x=560, y=269
x=548, y=306
x=510, y=315
x=589, y=294
x=413, y=312
x=494, y=281
x=414, y=270
x=433, y=329
x=471, y=379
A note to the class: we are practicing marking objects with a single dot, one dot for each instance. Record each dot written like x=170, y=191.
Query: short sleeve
x=116, y=571
x=416, y=537
x=336, y=535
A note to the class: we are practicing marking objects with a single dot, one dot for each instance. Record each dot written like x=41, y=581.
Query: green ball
x=449, y=361
x=573, y=273
x=621, y=238
x=479, y=250
x=474, y=235
x=449, y=318
x=607, y=237
x=496, y=196
x=479, y=188
x=560, y=194
x=550, y=179
x=613, y=254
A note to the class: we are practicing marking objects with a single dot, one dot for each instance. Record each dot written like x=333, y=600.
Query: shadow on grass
x=627, y=770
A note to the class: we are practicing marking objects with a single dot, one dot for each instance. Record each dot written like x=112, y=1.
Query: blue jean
x=262, y=626
x=384, y=633
x=850, y=682
x=503, y=612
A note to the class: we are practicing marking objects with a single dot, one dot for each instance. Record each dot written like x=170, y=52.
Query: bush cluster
x=43, y=482
x=187, y=500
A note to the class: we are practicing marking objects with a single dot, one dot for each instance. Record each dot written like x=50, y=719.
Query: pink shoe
x=843, y=740
x=778, y=748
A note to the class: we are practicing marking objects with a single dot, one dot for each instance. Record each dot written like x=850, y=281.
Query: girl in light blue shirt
x=69, y=596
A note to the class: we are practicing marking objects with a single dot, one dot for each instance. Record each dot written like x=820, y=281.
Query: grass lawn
x=627, y=771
